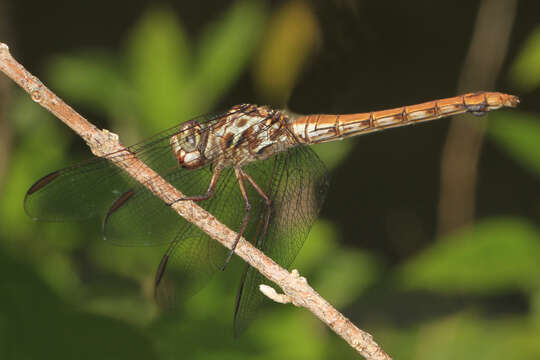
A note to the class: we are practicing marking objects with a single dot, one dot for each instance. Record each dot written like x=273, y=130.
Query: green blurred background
x=430, y=280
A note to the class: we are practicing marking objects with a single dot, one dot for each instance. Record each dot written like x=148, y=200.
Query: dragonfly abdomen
x=312, y=129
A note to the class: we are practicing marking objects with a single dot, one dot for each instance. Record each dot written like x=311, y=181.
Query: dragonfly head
x=187, y=145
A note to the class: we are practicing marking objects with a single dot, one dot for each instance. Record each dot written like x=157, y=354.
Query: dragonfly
x=251, y=166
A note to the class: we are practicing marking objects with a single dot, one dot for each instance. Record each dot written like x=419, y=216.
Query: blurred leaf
x=519, y=134
x=466, y=336
x=525, y=72
x=494, y=255
x=535, y=307
x=86, y=76
x=172, y=83
x=35, y=145
x=321, y=241
x=340, y=275
x=333, y=153
x=179, y=334
x=396, y=340
x=132, y=262
x=59, y=272
x=37, y=325
x=130, y=309
x=344, y=275
x=269, y=338
x=273, y=335
x=160, y=66
x=224, y=50
x=290, y=39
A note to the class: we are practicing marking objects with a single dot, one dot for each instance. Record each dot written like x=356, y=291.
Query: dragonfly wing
x=139, y=218
x=89, y=188
x=194, y=257
x=77, y=192
x=297, y=186
x=92, y=188
x=189, y=263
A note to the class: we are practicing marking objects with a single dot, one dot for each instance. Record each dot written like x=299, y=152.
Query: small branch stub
x=290, y=282
x=272, y=294
x=109, y=144
x=4, y=50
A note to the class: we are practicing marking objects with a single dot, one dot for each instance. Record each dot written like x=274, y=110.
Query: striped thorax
x=244, y=134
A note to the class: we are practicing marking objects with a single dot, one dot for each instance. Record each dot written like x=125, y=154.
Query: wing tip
x=117, y=204
x=45, y=180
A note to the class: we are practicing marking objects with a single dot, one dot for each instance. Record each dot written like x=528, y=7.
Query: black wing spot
x=117, y=204
x=47, y=179
x=161, y=270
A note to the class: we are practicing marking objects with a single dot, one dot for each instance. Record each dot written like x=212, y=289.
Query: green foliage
x=282, y=58
x=467, y=336
x=526, y=68
x=159, y=59
x=85, y=76
x=224, y=50
x=345, y=275
x=339, y=274
x=333, y=153
x=519, y=134
x=535, y=308
x=496, y=255
x=40, y=325
x=166, y=78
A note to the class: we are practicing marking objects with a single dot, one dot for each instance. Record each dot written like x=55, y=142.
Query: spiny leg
x=268, y=204
x=240, y=177
x=209, y=192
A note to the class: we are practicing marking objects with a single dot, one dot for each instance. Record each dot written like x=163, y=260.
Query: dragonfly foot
x=231, y=253
x=229, y=257
x=190, y=198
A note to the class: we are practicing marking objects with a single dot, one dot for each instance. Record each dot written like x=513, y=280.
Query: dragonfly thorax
x=245, y=134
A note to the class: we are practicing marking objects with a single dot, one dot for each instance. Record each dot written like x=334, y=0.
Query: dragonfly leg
x=268, y=204
x=209, y=192
x=240, y=176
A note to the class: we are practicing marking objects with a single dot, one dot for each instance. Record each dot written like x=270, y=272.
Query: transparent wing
x=297, y=187
x=138, y=218
x=77, y=192
x=296, y=183
x=88, y=189
x=194, y=257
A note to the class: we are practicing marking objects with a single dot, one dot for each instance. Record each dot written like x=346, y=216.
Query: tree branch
x=103, y=142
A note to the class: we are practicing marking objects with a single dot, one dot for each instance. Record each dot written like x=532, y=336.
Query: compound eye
x=190, y=136
x=190, y=142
